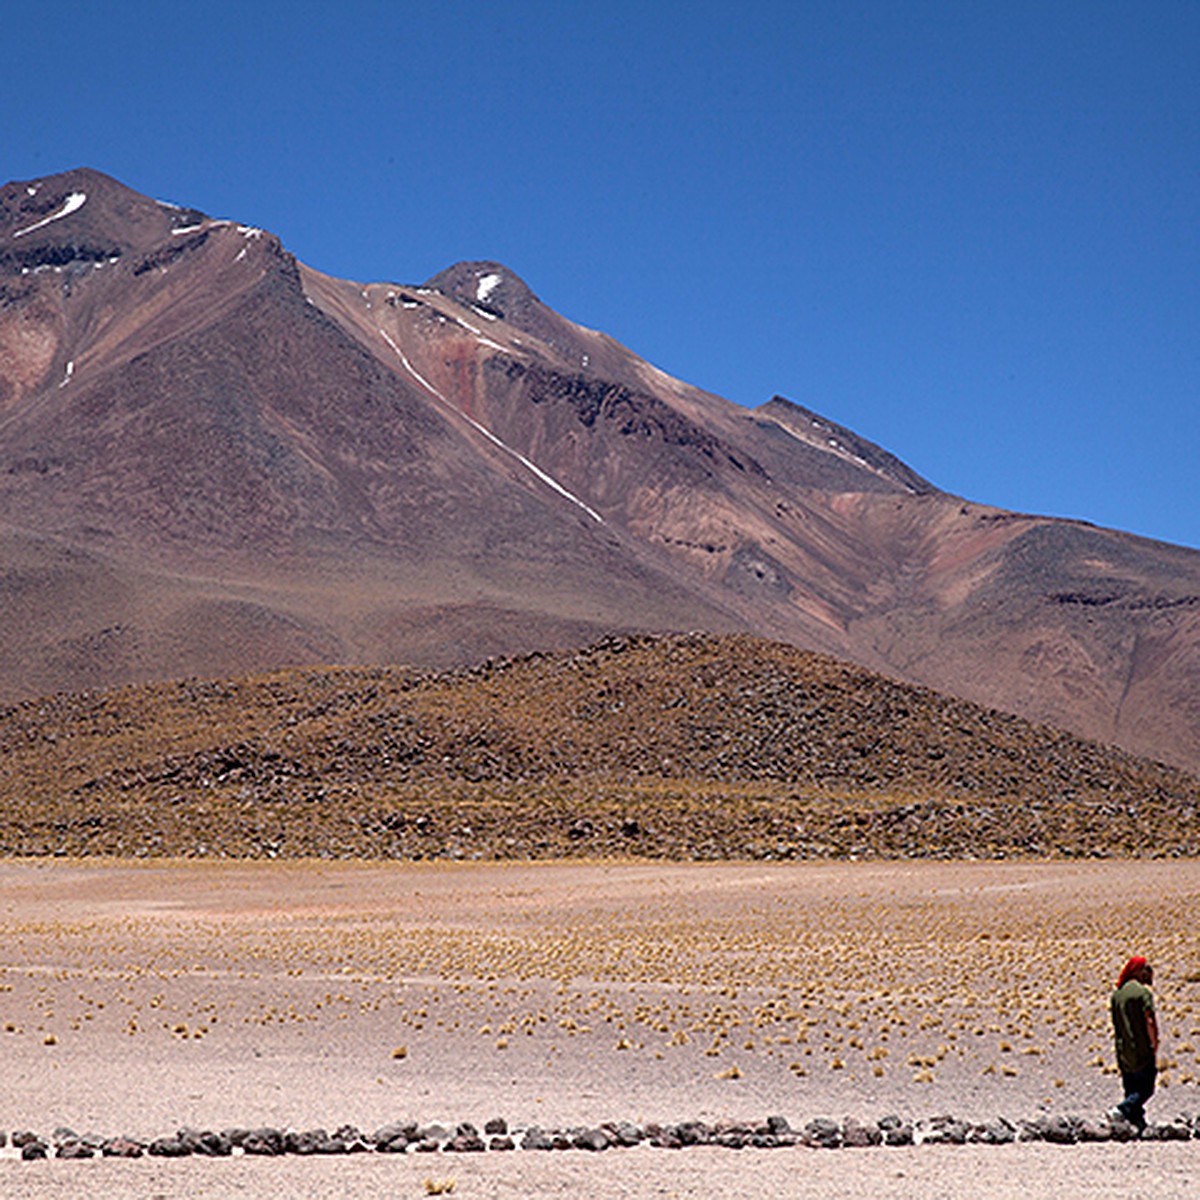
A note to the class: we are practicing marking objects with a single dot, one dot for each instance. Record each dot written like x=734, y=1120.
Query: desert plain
x=141, y=997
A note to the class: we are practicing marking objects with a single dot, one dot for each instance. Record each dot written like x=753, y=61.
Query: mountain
x=215, y=460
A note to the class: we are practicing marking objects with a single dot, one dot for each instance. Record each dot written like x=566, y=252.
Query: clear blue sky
x=968, y=230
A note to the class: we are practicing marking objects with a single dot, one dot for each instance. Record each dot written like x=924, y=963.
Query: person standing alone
x=1136, y=1032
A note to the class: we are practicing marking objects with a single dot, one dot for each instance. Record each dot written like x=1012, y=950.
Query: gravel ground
x=1167, y=1171
x=141, y=998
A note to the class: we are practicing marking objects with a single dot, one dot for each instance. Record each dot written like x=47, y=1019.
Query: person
x=1136, y=1033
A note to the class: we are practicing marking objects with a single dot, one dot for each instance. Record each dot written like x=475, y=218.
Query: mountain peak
x=841, y=443
x=487, y=285
x=81, y=214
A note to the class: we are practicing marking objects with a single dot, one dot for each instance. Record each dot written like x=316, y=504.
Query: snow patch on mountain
x=487, y=341
x=487, y=285
x=72, y=203
x=835, y=447
x=548, y=480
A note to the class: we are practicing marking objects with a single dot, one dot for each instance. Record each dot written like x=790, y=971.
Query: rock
x=122, y=1147
x=625, y=1133
x=590, y=1139
x=899, y=1135
x=993, y=1133
x=24, y=1137
x=823, y=1133
x=263, y=1141
x=465, y=1143
x=535, y=1139
x=1032, y=1131
x=778, y=1125
x=1121, y=1130
x=502, y=1143
x=304, y=1142
x=75, y=1149
x=942, y=1131
x=1173, y=1131
x=857, y=1135
x=427, y=1146
x=433, y=1133
x=385, y=1135
x=497, y=1125
x=169, y=1147
x=32, y=1150
x=206, y=1142
x=63, y=1134
x=1060, y=1131
x=692, y=1133
x=1091, y=1130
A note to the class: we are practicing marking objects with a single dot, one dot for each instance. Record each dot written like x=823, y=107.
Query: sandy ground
x=141, y=998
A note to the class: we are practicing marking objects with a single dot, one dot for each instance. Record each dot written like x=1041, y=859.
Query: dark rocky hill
x=687, y=745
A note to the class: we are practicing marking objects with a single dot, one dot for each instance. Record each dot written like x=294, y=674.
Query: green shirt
x=1130, y=1004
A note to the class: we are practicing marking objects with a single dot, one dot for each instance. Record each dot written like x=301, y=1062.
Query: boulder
x=857, y=1135
x=590, y=1139
x=823, y=1133
x=535, y=1139
x=169, y=1147
x=122, y=1147
x=264, y=1141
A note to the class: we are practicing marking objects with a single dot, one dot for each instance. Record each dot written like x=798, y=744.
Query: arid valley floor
x=140, y=998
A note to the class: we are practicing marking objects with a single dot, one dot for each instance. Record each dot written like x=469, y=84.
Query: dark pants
x=1139, y=1087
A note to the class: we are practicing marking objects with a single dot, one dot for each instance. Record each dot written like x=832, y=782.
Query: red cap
x=1130, y=969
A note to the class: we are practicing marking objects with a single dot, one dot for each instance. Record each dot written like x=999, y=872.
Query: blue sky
x=969, y=231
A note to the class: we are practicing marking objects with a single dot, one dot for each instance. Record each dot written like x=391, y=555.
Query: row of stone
x=402, y=1137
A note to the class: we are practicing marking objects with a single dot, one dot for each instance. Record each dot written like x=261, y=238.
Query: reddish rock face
x=214, y=460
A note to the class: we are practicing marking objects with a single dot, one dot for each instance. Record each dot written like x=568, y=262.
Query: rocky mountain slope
x=686, y=745
x=215, y=460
